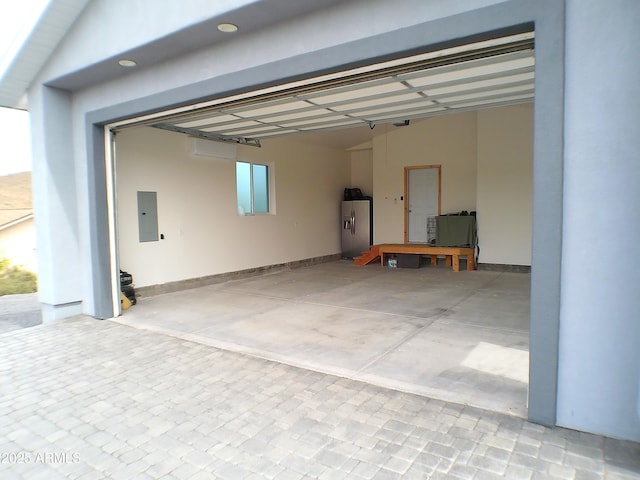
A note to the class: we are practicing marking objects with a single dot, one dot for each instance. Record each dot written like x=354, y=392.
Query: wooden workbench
x=452, y=254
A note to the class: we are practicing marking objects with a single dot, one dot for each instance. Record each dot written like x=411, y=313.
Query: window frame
x=269, y=187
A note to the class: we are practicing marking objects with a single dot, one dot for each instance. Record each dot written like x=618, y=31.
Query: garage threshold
x=459, y=337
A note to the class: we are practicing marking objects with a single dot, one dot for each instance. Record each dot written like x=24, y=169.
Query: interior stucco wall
x=448, y=140
x=197, y=210
x=362, y=170
x=505, y=163
x=488, y=151
x=486, y=159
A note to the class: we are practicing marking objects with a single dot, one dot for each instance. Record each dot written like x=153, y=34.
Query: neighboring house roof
x=16, y=222
x=16, y=204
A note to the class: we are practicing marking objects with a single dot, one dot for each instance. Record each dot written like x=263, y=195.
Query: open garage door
x=478, y=75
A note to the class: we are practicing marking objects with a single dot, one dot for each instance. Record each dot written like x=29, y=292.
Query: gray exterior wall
x=598, y=388
x=353, y=33
x=56, y=202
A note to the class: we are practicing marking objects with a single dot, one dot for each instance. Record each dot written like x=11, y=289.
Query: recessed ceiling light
x=127, y=63
x=227, y=27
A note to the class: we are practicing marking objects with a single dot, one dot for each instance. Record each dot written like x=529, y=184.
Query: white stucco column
x=55, y=204
x=599, y=356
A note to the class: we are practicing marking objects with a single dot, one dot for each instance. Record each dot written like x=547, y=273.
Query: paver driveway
x=97, y=399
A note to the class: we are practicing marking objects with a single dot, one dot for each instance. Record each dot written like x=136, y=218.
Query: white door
x=423, y=202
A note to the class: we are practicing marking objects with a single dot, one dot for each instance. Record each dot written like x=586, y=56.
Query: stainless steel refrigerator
x=357, y=227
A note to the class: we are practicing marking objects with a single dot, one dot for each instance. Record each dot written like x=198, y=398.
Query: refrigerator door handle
x=353, y=223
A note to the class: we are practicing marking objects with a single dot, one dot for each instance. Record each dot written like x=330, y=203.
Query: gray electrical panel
x=148, y=216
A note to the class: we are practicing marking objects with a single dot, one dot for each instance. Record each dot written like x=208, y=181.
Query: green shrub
x=14, y=280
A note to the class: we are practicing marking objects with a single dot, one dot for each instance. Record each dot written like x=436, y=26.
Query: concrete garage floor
x=460, y=337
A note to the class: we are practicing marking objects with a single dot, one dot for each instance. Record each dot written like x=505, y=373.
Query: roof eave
x=32, y=51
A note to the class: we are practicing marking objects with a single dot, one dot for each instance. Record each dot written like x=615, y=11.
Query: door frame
x=406, y=194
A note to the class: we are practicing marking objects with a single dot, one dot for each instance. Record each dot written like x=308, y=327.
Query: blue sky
x=16, y=20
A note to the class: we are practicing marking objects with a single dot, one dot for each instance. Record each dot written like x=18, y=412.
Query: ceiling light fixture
x=127, y=63
x=227, y=27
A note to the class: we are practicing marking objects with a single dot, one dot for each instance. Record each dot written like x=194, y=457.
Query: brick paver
x=95, y=399
x=19, y=311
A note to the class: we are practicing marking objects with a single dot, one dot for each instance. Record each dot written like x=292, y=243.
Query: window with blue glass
x=252, y=184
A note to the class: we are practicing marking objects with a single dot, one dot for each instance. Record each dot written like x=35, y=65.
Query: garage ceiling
x=485, y=74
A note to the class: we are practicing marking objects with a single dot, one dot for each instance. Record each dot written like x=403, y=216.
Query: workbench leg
x=447, y=260
x=382, y=259
x=456, y=263
x=434, y=260
x=471, y=264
